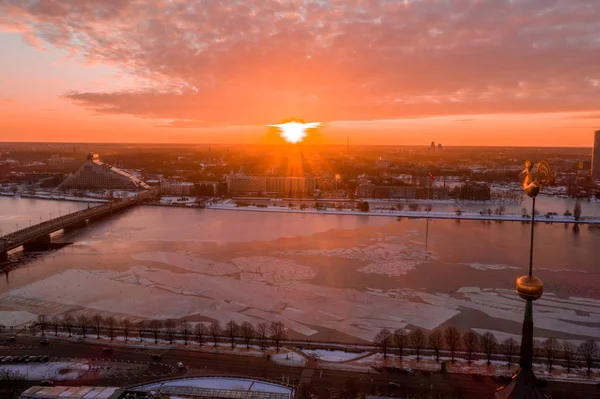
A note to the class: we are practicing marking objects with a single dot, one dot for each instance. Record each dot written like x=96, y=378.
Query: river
x=336, y=277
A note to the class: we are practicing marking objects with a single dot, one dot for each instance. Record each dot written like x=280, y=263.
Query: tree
x=577, y=210
x=509, y=348
x=382, y=339
x=428, y=207
x=68, y=321
x=155, y=326
x=214, y=329
x=42, y=323
x=247, y=331
x=459, y=212
x=452, y=337
x=417, y=341
x=500, y=210
x=488, y=345
x=551, y=348
x=568, y=353
x=13, y=382
x=399, y=207
x=261, y=333
x=83, y=322
x=588, y=351
x=110, y=324
x=55, y=322
x=363, y=206
x=436, y=342
x=400, y=339
x=185, y=329
x=524, y=212
x=471, y=344
x=140, y=327
x=170, y=328
x=277, y=330
x=303, y=206
x=97, y=322
x=232, y=330
x=126, y=327
x=200, y=332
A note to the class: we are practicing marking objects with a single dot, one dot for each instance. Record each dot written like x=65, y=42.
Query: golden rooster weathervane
x=536, y=178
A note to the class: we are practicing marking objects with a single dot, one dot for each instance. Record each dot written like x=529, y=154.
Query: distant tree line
x=472, y=345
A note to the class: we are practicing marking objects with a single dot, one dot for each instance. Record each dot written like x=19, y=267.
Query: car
x=47, y=383
x=45, y=341
x=107, y=350
x=407, y=370
x=6, y=359
x=156, y=356
x=45, y=358
x=477, y=375
x=393, y=384
x=11, y=339
x=18, y=359
x=28, y=359
x=180, y=365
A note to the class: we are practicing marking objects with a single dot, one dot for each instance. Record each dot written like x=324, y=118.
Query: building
x=210, y=188
x=382, y=163
x=177, y=188
x=291, y=186
x=596, y=157
x=95, y=174
x=240, y=184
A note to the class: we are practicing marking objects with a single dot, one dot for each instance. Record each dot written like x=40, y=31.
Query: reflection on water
x=325, y=276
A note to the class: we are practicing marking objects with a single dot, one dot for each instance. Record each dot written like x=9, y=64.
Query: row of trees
x=450, y=339
x=170, y=328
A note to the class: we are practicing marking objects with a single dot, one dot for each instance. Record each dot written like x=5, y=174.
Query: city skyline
x=494, y=73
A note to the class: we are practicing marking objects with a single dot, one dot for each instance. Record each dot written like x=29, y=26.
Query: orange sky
x=459, y=72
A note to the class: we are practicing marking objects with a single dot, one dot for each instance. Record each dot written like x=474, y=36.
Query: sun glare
x=294, y=132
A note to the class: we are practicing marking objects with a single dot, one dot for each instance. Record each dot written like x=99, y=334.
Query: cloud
x=215, y=63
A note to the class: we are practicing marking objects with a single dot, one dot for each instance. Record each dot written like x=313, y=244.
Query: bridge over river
x=37, y=237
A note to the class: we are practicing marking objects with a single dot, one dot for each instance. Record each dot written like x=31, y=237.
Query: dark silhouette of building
x=596, y=156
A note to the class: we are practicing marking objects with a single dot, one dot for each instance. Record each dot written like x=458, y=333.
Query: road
x=332, y=381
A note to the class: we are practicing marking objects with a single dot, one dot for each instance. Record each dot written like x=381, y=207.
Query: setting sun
x=294, y=132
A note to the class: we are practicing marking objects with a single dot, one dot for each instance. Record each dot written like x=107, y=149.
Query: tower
x=596, y=156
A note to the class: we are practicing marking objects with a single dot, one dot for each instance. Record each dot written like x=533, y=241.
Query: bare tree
x=400, y=338
x=110, y=324
x=97, y=322
x=55, y=322
x=261, y=333
x=452, y=337
x=247, y=331
x=13, y=382
x=200, y=332
x=232, y=330
x=155, y=327
x=417, y=341
x=126, y=327
x=568, y=353
x=140, y=326
x=488, y=345
x=588, y=351
x=68, y=322
x=577, y=210
x=83, y=322
x=214, y=329
x=436, y=342
x=382, y=339
x=551, y=348
x=185, y=329
x=42, y=323
x=509, y=348
x=471, y=344
x=277, y=333
x=170, y=328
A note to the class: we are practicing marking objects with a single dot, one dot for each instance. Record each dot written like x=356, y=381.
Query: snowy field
x=333, y=356
x=54, y=371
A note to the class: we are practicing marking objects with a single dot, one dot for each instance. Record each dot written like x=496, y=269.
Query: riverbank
x=55, y=197
x=229, y=206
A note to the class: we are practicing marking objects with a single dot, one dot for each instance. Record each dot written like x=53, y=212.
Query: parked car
x=18, y=359
x=45, y=341
x=45, y=358
x=11, y=339
x=180, y=365
x=47, y=383
x=7, y=359
x=107, y=350
x=156, y=356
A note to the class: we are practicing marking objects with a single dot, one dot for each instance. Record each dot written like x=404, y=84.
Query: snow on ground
x=187, y=261
x=238, y=384
x=333, y=356
x=289, y=359
x=9, y=318
x=55, y=371
x=272, y=270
